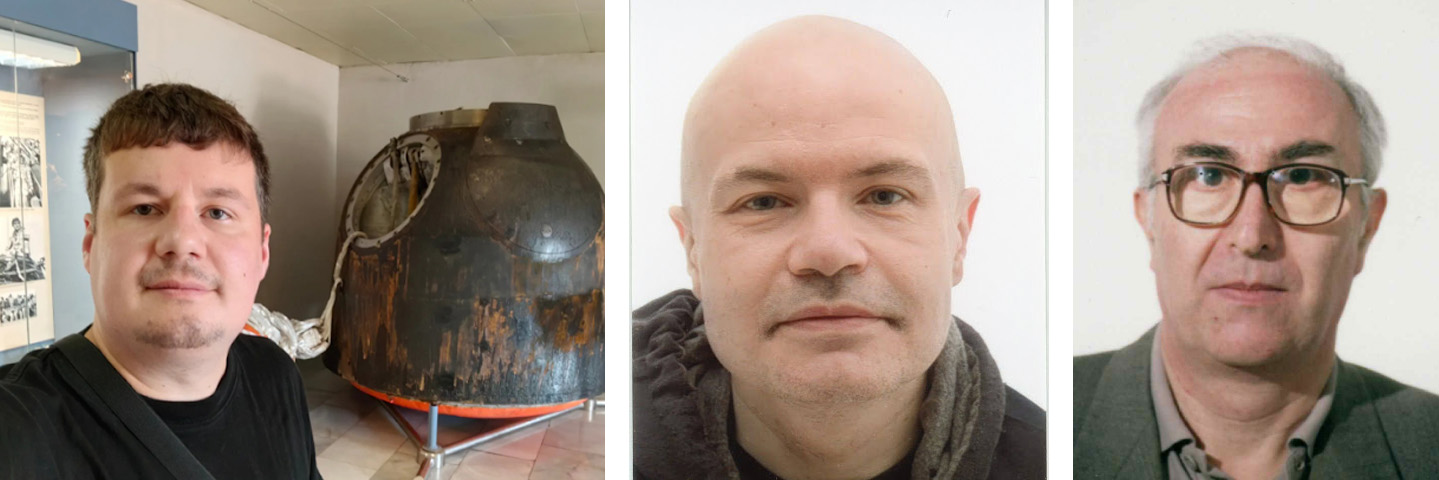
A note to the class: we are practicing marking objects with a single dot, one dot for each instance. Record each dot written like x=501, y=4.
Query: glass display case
x=54, y=85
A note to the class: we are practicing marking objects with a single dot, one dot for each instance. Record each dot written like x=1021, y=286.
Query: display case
x=62, y=62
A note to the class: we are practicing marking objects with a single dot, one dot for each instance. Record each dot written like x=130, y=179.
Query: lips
x=179, y=286
x=831, y=318
x=822, y=312
x=1250, y=292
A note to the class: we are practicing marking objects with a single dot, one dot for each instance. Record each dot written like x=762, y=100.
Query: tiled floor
x=356, y=441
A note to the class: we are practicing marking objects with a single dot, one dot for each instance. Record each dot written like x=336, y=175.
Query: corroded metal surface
x=491, y=294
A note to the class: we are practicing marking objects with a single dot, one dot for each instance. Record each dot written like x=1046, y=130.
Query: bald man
x=824, y=217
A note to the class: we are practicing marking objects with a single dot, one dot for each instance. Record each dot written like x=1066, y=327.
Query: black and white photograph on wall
x=20, y=172
x=25, y=304
x=18, y=307
x=26, y=314
x=21, y=260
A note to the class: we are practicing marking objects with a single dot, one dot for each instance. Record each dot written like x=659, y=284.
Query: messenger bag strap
x=98, y=381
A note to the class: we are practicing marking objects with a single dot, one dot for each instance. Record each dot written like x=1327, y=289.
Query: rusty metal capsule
x=476, y=277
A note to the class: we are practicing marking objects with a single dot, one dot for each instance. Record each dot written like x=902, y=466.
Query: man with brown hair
x=176, y=245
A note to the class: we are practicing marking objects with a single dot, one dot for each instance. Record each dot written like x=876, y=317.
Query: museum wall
x=376, y=106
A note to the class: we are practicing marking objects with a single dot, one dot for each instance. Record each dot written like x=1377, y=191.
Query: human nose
x=1255, y=230
x=180, y=235
x=827, y=243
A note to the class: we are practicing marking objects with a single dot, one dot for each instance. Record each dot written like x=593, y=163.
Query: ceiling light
x=32, y=52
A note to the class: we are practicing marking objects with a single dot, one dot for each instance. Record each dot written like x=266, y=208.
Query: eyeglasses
x=1300, y=194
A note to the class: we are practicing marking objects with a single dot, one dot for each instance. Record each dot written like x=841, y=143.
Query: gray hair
x=1372, y=134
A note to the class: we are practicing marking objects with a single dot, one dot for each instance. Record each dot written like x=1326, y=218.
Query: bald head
x=797, y=79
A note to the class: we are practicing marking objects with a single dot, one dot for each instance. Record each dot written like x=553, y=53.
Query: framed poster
x=25, y=296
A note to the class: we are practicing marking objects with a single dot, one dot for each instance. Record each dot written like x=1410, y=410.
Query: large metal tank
x=475, y=274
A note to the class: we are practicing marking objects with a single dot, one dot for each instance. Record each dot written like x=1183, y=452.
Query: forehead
x=1256, y=103
x=178, y=166
x=823, y=125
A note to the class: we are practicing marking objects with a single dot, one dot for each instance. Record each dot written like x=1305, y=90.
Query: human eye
x=1205, y=178
x=1209, y=176
x=761, y=203
x=884, y=196
x=217, y=214
x=1302, y=176
x=144, y=210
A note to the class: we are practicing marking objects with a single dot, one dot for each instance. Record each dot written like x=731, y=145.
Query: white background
x=989, y=56
x=1124, y=47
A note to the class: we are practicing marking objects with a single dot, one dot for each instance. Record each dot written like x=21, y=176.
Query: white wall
x=290, y=98
x=1123, y=47
x=375, y=106
x=989, y=56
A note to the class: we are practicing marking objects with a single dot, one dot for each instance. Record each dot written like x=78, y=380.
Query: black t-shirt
x=256, y=424
x=750, y=468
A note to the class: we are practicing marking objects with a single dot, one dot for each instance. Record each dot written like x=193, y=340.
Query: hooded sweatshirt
x=974, y=427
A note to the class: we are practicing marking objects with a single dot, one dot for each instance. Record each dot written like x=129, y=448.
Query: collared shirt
x=1184, y=458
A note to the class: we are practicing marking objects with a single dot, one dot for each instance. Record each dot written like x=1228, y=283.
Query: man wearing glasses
x=1258, y=162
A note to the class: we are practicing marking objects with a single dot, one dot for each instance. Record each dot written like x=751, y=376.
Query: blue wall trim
x=111, y=22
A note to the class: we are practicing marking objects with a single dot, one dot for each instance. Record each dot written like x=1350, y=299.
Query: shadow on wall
x=303, y=215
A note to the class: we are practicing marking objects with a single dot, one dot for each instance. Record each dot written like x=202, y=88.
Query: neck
x=174, y=375
x=1243, y=417
x=828, y=440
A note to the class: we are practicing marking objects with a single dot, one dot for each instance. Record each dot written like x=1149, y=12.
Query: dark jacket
x=1377, y=427
x=674, y=433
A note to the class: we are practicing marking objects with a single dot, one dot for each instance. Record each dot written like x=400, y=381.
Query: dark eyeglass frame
x=1261, y=178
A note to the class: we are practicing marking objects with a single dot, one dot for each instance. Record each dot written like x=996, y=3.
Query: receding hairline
x=1373, y=134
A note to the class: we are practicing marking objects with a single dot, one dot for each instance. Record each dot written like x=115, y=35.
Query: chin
x=839, y=380
x=1248, y=348
x=181, y=332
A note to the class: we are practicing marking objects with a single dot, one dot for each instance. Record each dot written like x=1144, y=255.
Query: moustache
x=186, y=272
x=880, y=300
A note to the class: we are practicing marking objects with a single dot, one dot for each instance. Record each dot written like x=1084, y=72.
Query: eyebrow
x=138, y=189
x=894, y=168
x=1304, y=149
x=1206, y=150
x=153, y=191
x=224, y=192
x=1295, y=151
x=750, y=175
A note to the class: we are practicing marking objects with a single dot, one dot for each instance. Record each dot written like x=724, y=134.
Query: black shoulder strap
x=101, y=384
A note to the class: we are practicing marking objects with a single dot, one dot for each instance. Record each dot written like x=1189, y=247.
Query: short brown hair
x=158, y=114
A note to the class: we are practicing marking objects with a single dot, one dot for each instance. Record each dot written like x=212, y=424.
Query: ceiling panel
x=463, y=40
x=586, y=6
x=298, y=5
x=401, y=31
x=516, y=8
x=543, y=34
x=348, y=24
x=428, y=12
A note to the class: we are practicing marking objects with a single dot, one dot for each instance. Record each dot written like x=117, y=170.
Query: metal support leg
x=432, y=456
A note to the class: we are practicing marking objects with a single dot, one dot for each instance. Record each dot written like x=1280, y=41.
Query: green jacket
x=1377, y=428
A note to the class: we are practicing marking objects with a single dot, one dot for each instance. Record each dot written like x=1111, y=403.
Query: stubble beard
x=182, y=333
x=186, y=330
x=883, y=376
